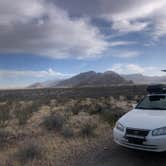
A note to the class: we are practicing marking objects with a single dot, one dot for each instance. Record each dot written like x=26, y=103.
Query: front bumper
x=156, y=144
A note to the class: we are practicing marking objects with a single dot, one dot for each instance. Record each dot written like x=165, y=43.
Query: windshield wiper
x=155, y=108
x=143, y=108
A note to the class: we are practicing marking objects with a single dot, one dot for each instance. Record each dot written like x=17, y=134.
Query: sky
x=44, y=40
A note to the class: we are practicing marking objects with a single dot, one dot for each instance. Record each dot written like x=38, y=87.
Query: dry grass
x=60, y=130
x=29, y=151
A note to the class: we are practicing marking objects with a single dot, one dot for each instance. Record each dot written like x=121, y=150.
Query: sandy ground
x=110, y=154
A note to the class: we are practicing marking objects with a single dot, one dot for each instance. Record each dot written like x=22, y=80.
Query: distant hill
x=37, y=85
x=142, y=79
x=93, y=79
x=46, y=84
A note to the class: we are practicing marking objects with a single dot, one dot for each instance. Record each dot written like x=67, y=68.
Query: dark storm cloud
x=97, y=7
x=47, y=28
x=80, y=7
x=125, y=15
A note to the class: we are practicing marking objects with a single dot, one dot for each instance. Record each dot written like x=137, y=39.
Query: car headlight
x=120, y=127
x=160, y=131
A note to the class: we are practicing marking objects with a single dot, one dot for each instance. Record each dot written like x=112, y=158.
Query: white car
x=144, y=128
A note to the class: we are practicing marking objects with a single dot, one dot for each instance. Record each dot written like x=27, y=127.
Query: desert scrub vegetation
x=67, y=132
x=108, y=108
x=88, y=129
x=54, y=121
x=60, y=127
x=5, y=137
x=4, y=114
x=28, y=151
x=24, y=111
x=111, y=116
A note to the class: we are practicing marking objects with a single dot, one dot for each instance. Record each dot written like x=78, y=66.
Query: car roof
x=158, y=89
x=159, y=94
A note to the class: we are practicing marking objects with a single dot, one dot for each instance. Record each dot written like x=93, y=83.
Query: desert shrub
x=23, y=113
x=91, y=109
x=79, y=107
x=67, y=132
x=4, y=137
x=54, y=121
x=111, y=116
x=4, y=115
x=22, y=116
x=29, y=151
x=88, y=129
x=75, y=110
x=34, y=107
x=129, y=97
x=94, y=109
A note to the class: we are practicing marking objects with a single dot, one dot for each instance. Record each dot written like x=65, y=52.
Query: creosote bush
x=4, y=115
x=74, y=109
x=4, y=137
x=88, y=129
x=23, y=113
x=67, y=132
x=28, y=151
x=94, y=109
x=22, y=116
x=111, y=116
x=54, y=121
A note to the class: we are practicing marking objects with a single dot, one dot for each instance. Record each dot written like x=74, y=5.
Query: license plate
x=137, y=141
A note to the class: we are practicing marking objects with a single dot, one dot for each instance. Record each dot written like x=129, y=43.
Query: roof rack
x=156, y=89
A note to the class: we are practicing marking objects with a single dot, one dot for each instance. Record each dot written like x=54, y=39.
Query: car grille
x=136, y=132
x=136, y=136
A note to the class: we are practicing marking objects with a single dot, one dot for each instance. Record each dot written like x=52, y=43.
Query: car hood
x=144, y=119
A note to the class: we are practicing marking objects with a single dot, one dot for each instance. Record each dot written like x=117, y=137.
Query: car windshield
x=154, y=102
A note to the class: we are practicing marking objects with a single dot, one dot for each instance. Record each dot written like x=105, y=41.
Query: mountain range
x=86, y=79
x=91, y=78
x=94, y=79
x=142, y=79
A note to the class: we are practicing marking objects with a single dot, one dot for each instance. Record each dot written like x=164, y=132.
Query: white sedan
x=144, y=127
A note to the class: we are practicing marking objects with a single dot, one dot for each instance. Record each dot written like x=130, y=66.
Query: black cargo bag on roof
x=156, y=89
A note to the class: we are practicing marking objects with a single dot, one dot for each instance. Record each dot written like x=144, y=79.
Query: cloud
x=125, y=26
x=46, y=74
x=126, y=54
x=64, y=29
x=160, y=29
x=134, y=16
x=116, y=9
x=134, y=68
x=121, y=43
x=10, y=79
x=125, y=15
x=138, y=16
x=133, y=9
x=42, y=28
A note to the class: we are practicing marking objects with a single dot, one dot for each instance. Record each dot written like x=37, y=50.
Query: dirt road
x=110, y=154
